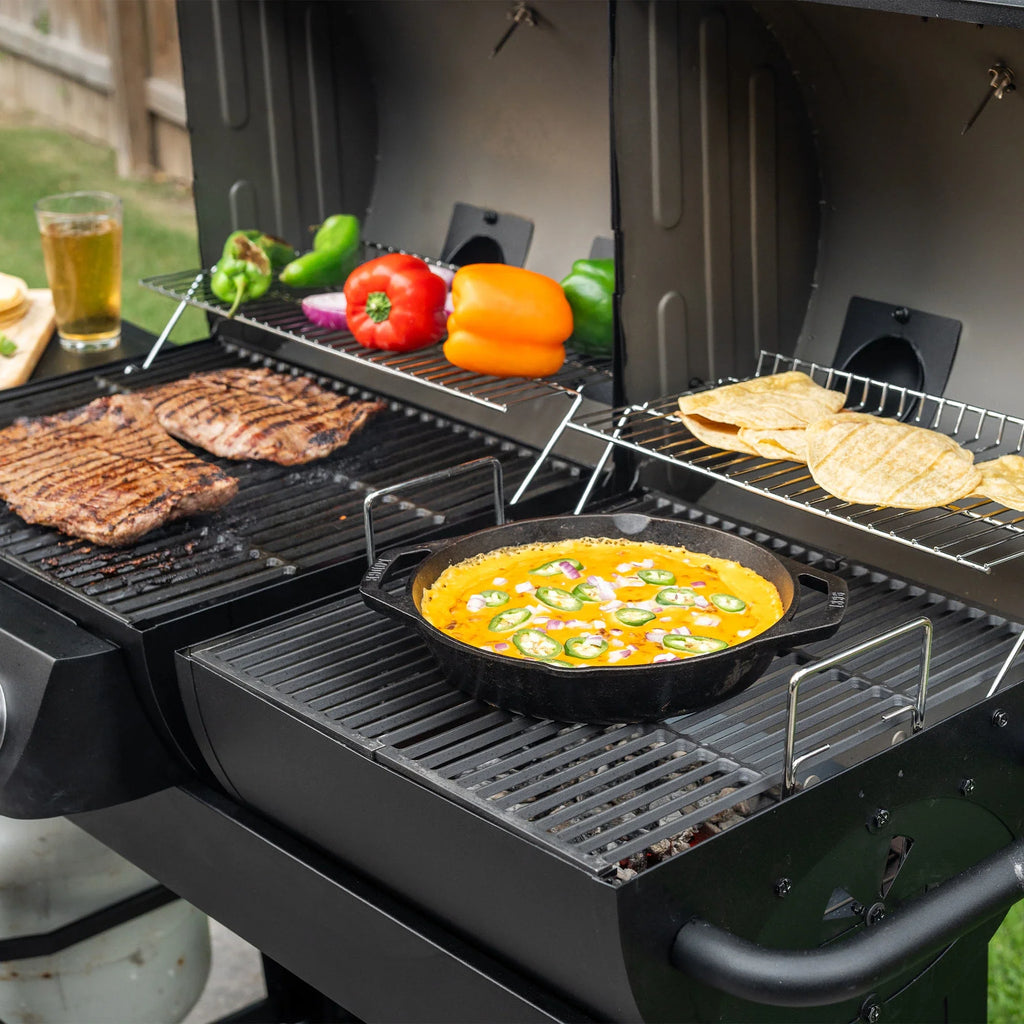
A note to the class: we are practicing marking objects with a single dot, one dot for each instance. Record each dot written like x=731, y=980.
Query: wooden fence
x=109, y=70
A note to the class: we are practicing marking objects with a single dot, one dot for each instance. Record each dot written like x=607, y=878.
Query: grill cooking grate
x=284, y=520
x=973, y=531
x=603, y=797
x=279, y=313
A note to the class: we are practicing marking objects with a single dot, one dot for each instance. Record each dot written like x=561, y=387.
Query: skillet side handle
x=823, y=622
x=394, y=604
x=843, y=970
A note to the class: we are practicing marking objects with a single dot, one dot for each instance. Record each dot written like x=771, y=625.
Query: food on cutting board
x=105, y=472
x=395, y=302
x=507, y=322
x=333, y=257
x=255, y=413
x=873, y=460
x=599, y=601
x=14, y=301
x=762, y=416
x=589, y=289
x=1002, y=480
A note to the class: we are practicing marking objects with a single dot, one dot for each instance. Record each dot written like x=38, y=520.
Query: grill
x=837, y=841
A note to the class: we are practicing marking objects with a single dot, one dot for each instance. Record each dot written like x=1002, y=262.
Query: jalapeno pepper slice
x=676, y=597
x=586, y=592
x=534, y=643
x=692, y=644
x=728, y=602
x=494, y=598
x=662, y=577
x=562, y=600
x=585, y=646
x=630, y=616
x=555, y=567
x=508, y=619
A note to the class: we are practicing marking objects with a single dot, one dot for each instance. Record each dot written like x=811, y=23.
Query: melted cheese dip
x=600, y=602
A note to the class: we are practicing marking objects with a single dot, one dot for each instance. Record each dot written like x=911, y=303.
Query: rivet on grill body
x=878, y=820
x=901, y=314
x=1000, y=719
x=871, y=1010
x=783, y=887
x=874, y=914
x=967, y=786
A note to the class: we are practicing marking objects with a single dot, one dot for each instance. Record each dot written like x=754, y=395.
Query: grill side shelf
x=974, y=531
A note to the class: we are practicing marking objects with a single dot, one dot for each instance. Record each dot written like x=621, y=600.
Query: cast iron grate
x=603, y=797
x=284, y=520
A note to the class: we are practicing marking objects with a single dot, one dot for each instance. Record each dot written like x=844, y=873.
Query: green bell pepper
x=333, y=257
x=243, y=271
x=279, y=252
x=589, y=289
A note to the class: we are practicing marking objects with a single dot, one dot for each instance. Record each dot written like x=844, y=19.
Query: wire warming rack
x=279, y=311
x=973, y=531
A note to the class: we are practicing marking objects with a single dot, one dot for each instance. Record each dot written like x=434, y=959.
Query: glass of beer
x=81, y=237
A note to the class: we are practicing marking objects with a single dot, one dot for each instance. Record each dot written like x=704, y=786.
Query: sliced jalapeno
x=677, y=597
x=728, y=602
x=536, y=644
x=586, y=592
x=555, y=597
x=585, y=646
x=630, y=616
x=555, y=567
x=662, y=577
x=494, y=598
x=508, y=619
x=692, y=644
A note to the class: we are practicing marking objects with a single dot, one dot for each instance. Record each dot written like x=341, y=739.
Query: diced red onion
x=624, y=567
x=476, y=602
x=706, y=620
x=525, y=588
x=501, y=646
x=328, y=309
x=556, y=624
x=625, y=652
x=664, y=656
x=698, y=583
x=654, y=635
x=701, y=602
x=570, y=570
x=647, y=563
x=445, y=273
x=744, y=632
x=611, y=606
x=499, y=581
x=681, y=630
x=605, y=591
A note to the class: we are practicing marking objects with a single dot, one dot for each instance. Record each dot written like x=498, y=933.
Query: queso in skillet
x=600, y=601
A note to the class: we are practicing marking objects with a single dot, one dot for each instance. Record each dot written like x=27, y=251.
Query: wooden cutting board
x=31, y=334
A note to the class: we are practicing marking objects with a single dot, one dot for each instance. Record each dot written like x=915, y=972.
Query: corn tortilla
x=1002, y=480
x=873, y=460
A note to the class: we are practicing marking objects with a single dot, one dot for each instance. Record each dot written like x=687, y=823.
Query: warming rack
x=279, y=312
x=973, y=531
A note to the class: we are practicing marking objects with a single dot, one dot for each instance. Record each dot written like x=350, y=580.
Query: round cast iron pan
x=616, y=693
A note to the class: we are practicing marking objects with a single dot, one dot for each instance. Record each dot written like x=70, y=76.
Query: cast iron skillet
x=616, y=693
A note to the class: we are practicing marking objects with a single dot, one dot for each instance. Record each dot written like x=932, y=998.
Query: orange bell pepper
x=507, y=321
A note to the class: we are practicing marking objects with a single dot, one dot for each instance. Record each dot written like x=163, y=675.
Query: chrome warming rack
x=279, y=311
x=973, y=531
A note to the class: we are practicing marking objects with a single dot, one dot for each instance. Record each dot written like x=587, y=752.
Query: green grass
x=159, y=218
x=1006, y=970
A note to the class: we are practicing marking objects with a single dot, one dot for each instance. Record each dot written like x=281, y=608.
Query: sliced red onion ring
x=570, y=570
x=328, y=309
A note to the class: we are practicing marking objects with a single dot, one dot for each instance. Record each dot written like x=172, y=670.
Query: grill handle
x=847, y=969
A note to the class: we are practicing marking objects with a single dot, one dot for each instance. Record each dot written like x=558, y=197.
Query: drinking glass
x=81, y=238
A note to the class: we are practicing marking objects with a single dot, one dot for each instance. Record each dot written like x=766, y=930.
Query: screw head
x=901, y=314
x=783, y=887
x=878, y=820
x=967, y=786
x=871, y=1012
x=1000, y=719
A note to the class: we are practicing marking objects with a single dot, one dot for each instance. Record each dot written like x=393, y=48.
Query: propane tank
x=150, y=968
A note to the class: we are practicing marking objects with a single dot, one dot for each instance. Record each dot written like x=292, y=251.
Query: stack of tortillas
x=857, y=457
x=765, y=416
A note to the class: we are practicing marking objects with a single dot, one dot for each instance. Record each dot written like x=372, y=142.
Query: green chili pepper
x=589, y=289
x=333, y=256
x=243, y=271
x=8, y=346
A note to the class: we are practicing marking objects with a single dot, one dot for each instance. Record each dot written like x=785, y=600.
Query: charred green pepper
x=243, y=271
x=279, y=252
x=589, y=289
x=333, y=256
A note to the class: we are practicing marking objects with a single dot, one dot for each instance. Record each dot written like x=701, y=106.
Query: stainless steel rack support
x=916, y=708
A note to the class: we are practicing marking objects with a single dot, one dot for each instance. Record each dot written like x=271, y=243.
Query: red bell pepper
x=394, y=302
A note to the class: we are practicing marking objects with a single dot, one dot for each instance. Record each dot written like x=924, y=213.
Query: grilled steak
x=106, y=472
x=254, y=413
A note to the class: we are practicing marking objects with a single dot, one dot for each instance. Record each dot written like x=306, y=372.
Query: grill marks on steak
x=106, y=472
x=255, y=413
